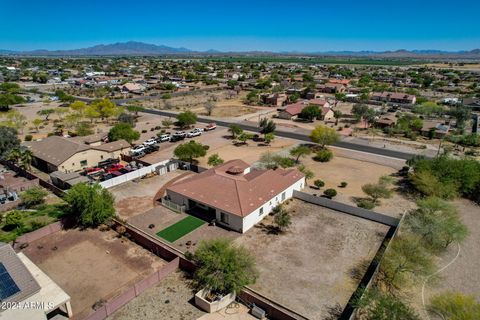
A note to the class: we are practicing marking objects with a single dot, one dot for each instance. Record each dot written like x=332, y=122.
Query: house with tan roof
x=234, y=194
x=291, y=111
x=74, y=154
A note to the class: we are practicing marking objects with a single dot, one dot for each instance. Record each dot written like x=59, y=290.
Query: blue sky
x=301, y=25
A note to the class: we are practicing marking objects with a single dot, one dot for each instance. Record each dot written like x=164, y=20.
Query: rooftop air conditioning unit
x=258, y=312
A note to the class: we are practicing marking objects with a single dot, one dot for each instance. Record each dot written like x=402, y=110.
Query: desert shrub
x=318, y=183
x=28, y=137
x=343, y=184
x=366, y=203
x=330, y=193
x=323, y=155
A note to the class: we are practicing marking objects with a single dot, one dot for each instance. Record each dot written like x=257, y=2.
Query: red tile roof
x=228, y=188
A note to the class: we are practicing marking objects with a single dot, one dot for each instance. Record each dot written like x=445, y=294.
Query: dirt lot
x=461, y=275
x=309, y=268
x=69, y=257
x=133, y=198
x=170, y=299
x=345, y=166
x=249, y=153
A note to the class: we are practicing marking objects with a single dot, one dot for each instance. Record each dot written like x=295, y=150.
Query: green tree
x=437, y=224
x=33, y=196
x=282, y=219
x=378, y=190
x=123, y=131
x=79, y=107
x=13, y=220
x=428, y=184
x=46, y=113
x=337, y=114
x=310, y=113
x=189, y=151
x=307, y=172
x=359, y=111
x=106, y=108
x=91, y=204
x=235, y=130
x=376, y=305
x=186, y=119
x=323, y=155
x=215, y=160
x=83, y=129
x=324, y=136
x=26, y=158
x=135, y=109
x=8, y=99
x=269, y=137
x=267, y=126
x=461, y=114
x=300, y=152
x=222, y=267
x=167, y=123
x=455, y=306
x=405, y=262
x=36, y=123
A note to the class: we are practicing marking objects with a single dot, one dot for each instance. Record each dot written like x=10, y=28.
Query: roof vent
x=234, y=170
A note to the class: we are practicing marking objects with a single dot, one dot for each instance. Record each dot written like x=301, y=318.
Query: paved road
x=297, y=136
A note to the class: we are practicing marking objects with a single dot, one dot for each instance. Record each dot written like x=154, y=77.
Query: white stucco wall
x=255, y=217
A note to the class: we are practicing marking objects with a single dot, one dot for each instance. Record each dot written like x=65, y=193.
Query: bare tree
x=209, y=106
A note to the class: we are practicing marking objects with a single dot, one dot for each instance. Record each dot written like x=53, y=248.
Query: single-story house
x=234, y=194
x=133, y=88
x=331, y=88
x=71, y=154
x=435, y=129
x=34, y=295
x=276, y=99
x=473, y=103
x=291, y=111
x=396, y=97
x=386, y=121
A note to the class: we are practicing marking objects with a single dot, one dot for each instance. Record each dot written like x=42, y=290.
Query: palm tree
x=26, y=158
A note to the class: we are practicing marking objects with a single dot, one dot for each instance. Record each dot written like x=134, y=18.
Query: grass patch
x=181, y=228
x=31, y=220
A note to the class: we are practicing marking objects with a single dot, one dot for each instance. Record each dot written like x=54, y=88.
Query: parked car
x=180, y=133
x=108, y=162
x=114, y=167
x=151, y=148
x=149, y=142
x=199, y=129
x=138, y=155
x=211, y=126
x=176, y=138
x=193, y=133
x=92, y=172
x=137, y=149
x=163, y=138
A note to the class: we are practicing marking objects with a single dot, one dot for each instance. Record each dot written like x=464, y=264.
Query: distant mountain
x=133, y=48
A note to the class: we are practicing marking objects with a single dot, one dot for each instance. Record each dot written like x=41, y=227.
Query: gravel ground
x=170, y=299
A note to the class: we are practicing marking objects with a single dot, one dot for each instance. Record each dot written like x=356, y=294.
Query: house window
x=283, y=196
x=224, y=217
x=260, y=212
x=83, y=163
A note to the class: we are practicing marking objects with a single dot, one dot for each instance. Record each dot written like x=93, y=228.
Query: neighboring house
x=332, y=88
x=71, y=154
x=435, y=129
x=276, y=99
x=23, y=285
x=133, y=88
x=395, y=97
x=234, y=194
x=386, y=121
x=473, y=103
x=292, y=111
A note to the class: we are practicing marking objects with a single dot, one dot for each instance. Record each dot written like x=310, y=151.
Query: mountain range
x=134, y=48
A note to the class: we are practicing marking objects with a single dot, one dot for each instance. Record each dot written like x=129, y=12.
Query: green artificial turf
x=181, y=228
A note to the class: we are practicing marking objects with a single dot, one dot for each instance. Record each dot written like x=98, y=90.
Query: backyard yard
x=68, y=257
x=181, y=228
x=316, y=265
